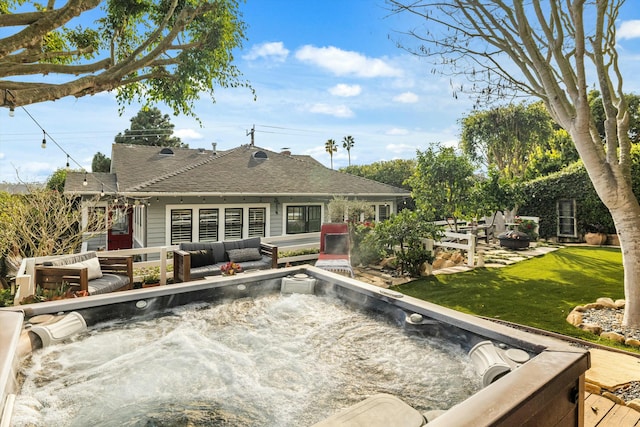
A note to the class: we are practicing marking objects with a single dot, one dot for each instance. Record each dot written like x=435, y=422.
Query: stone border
x=575, y=318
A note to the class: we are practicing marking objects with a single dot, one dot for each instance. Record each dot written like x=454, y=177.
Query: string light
x=44, y=139
x=12, y=111
x=85, y=183
x=67, y=161
x=102, y=191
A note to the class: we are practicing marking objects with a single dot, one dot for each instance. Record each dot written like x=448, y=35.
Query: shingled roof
x=246, y=170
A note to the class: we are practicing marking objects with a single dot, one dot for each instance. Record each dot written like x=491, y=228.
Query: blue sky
x=321, y=69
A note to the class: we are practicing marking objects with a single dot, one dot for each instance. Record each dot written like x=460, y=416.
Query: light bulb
x=12, y=112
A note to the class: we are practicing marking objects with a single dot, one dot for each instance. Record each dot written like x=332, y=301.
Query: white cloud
x=332, y=110
x=397, y=132
x=345, y=90
x=401, y=148
x=344, y=62
x=406, y=98
x=1, y=155
x=268, y=50
x=187, y=134
x=629, y=30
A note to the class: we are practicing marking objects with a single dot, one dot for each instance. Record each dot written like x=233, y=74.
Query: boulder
x=619, y=303
x=448, y=263
x=606, y=302
x=612, y=397
x=426, y=269
x=632, y=342
x=575, y=318
x=634, y=404
x=595, y=305
x=613, y=336
x=437, y=264
x=592, y=388
x=591, y=327
x=457, y=258
x=444, y=255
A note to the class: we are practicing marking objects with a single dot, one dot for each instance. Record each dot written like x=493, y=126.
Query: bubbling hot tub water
x=278, y=360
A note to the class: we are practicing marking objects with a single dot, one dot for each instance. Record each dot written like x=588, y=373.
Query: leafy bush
x=6, y=299
x=365, y=246
x=403, y=235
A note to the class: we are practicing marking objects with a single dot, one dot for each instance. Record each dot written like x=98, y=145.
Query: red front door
x=120, y=234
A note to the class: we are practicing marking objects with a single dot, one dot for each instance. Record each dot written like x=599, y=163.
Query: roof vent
x=260, y=155
x=166, y=152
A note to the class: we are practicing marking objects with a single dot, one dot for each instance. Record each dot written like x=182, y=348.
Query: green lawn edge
x=538, y=292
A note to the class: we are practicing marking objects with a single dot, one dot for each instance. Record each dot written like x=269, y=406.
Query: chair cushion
x=107, y=283
x=242, y=255
x=93, y=267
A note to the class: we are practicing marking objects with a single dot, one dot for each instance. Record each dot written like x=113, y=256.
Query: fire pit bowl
x=514, y=239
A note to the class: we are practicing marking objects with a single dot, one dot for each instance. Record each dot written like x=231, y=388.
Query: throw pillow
x=201, y=258
x=93, y=267
x=242, y=255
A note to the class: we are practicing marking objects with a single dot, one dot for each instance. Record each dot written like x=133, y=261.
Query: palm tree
x=331, y=147
x=348, y=142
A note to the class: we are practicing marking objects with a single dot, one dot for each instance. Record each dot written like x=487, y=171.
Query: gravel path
x=610, y=320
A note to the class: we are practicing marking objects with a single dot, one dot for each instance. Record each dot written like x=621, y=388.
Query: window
x=208, y=230
x=257, y=222
x=384, y=212
x=567, y=218
x=180, y=225
x=233, y=224
x=303, y=219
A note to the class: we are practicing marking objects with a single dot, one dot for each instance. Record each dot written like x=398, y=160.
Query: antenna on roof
x=252, y=132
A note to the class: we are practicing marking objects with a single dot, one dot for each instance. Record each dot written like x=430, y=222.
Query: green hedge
x=542, y=194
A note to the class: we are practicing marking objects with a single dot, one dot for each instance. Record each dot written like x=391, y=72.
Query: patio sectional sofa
x=195, y=260
x=89, y=272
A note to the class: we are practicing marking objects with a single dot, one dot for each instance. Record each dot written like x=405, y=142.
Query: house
x=157, y=196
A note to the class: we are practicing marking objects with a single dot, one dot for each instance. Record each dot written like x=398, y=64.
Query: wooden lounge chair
x=334, y=249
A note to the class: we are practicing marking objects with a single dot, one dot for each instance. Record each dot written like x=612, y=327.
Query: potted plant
x=595, y=235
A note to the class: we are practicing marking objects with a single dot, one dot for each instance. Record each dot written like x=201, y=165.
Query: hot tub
x=545, y=390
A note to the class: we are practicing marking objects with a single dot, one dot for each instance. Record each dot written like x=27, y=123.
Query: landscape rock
x=632, y=342
x=595, y=305
x=591, y=327
x=426, y=269
x=606, y=302
x=575, y=318
x=457, y=258
x=437, y=264
x=620, y=303
x=448, y=263
x=613, y=336
x=444, y=255
x=579, y=308
x=612, y=397
x=634, y=404
x=592, y=388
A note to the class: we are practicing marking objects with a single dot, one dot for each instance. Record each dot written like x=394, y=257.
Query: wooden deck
x=602, y=412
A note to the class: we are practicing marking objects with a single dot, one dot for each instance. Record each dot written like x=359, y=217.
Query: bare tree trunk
x=627, y=220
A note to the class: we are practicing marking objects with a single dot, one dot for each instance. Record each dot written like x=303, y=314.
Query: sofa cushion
x=107, y=283
x=232, y=244
x=201, y=257
x=251, y=242
x=218, y=251
x=93, y=267
x=246, y=254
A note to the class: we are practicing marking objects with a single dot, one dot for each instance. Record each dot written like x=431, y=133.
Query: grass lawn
x=538, y=292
